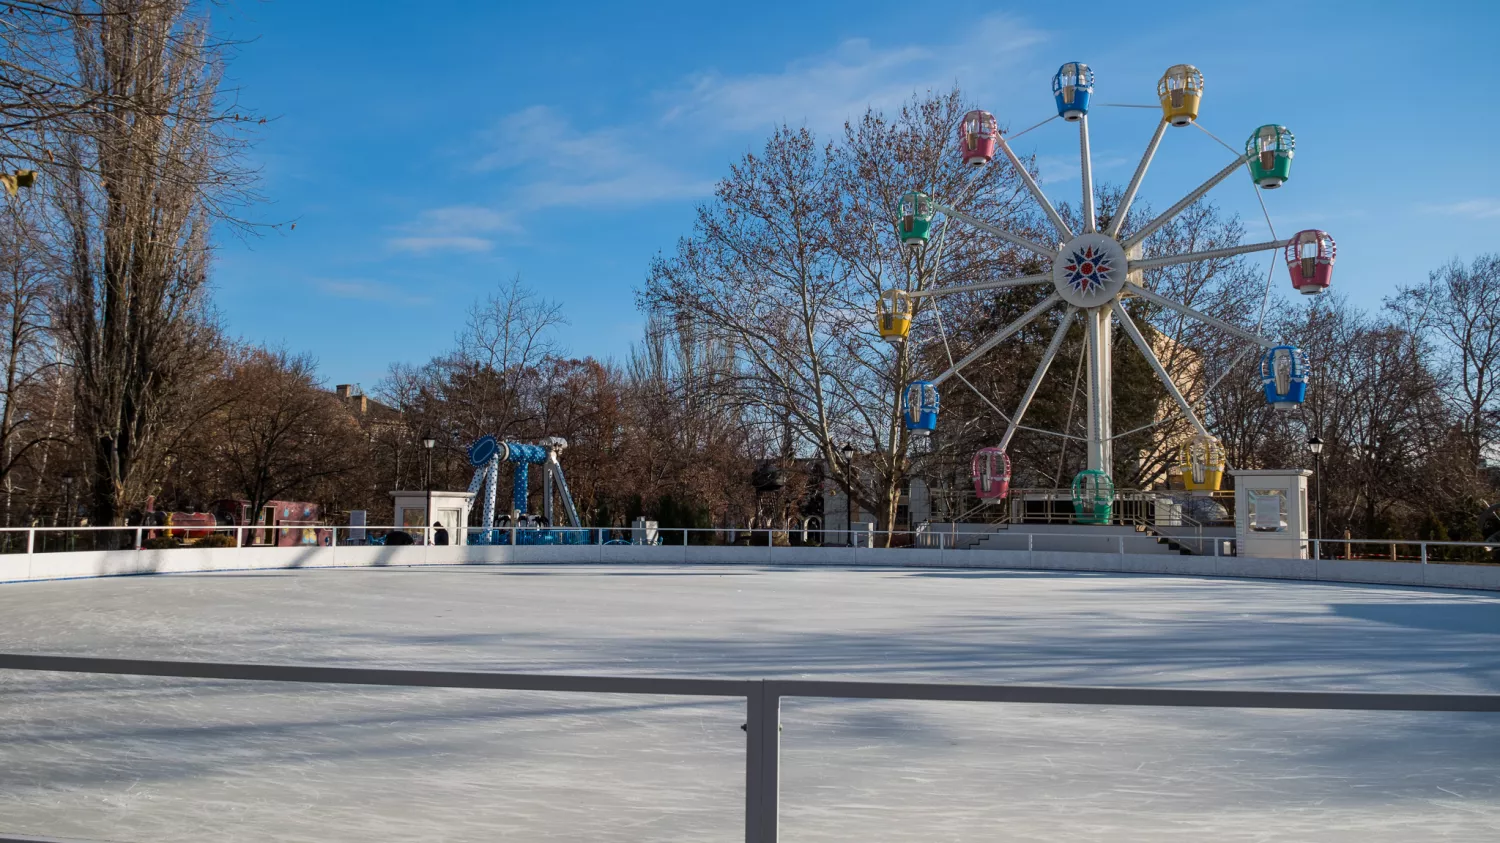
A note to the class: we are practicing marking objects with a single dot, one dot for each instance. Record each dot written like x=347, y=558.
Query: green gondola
x=916, y=220
x=1093, y=497
x=1270, y=151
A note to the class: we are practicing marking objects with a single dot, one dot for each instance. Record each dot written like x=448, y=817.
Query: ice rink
x=134, y=760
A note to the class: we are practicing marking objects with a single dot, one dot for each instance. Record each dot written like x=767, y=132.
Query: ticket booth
x=451, y=509
x=1270, y=512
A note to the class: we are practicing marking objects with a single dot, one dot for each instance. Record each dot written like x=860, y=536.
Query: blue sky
x=428, y=152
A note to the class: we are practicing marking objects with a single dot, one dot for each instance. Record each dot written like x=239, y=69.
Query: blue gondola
x=1283, y=372
x=920, y=406
x=1071, y=87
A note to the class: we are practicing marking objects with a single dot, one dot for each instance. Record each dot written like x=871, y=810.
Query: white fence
x=20, y=567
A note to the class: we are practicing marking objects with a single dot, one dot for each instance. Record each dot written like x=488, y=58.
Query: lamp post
x=1315, y=445
x=428, y=442
x=67, y=481
x=848, y=452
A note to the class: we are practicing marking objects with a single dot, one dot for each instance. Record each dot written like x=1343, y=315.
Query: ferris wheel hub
x=1090, y=270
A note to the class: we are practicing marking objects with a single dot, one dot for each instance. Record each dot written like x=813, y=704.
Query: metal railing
x=762, y=700
x=936, y=536
x=1402, y=550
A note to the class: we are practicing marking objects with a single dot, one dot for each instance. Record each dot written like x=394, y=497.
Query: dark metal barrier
x=763, y=701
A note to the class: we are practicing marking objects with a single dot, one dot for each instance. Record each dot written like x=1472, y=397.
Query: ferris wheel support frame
x=1094, y=272
x=1063, y=231
x=1100, y=390
x=1048, y=252
x=1185, y=310
x=1000, y=336
x=1128, y=198
x=1171, y=213
x=1036, y=379
x=978, y=286
x=1086, y=164
x=1208, y=255
x=1144, y=347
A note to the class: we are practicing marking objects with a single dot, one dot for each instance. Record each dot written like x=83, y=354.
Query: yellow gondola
x=1201, y=465
x=1181, y=91
x=893, y=311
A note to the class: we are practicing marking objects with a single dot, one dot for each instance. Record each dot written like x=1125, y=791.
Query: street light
x=1315, y=444
x=848, y=452
x=67, y=481
x=429, y=443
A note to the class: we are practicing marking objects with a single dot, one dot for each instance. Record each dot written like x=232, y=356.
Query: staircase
x=1081, y=538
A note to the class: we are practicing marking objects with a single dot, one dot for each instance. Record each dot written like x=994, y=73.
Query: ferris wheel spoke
x=1013, y=239
x=999, y=337
x=1211, y=254
x=1150, y=228
x=1135, y=181
x=1063, y=231
x=1086, y=159
x=1036, y=379
x=998, y=284
x=1161, y=371
x=1150, y=296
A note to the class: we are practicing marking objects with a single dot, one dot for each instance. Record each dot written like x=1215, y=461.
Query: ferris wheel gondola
x=1093, y=271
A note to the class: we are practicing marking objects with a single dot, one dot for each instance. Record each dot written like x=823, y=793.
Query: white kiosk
x=1270, y=512
x=451, y=508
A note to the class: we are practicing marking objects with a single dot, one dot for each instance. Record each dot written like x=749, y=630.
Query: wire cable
x=1265, y=301
x=1037, y=126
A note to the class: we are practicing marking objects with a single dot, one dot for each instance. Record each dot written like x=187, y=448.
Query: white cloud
x=550, y=158
x=825, y=90
x=367, y=291
x=1477, y=208
x=454, y=228
x=570, y=167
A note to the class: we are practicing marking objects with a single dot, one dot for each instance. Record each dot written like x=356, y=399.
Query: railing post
x=138, y=532
x=1424, y=553
x=762, y=763
x=30, y=539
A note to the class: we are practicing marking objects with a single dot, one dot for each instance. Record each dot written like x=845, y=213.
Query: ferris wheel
x=1091, y=272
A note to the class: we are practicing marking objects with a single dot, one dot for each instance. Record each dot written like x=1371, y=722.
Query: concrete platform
x=111, y=758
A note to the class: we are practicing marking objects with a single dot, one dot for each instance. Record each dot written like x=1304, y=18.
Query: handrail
x=763, y=700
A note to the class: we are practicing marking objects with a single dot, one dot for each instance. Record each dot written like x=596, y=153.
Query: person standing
x=439, y=533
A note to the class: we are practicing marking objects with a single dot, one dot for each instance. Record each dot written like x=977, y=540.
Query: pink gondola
x=976, y=134
x=1309, y=258
x=991, y=474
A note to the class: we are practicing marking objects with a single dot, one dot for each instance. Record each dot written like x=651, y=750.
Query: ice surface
x=126, y=759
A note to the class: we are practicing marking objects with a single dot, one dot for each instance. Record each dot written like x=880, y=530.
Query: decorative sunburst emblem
x=1088, y=269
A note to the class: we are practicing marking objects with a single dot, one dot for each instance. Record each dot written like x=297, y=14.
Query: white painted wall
x=55, y=566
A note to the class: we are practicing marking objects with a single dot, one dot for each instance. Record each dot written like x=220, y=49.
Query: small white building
x=451, y=510
x=1270, y=512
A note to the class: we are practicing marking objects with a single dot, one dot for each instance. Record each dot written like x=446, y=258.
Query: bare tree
x=27, y=290
x=784, y=265
x=140, y=186
x=1458, y=307
x=277, y=432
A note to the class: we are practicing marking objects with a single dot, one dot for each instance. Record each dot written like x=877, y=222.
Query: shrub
x=161, y=543
x=215, y=540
